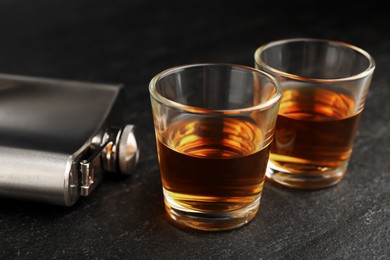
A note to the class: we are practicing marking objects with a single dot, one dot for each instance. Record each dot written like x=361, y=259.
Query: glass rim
x=369, y=70
x=199, y=110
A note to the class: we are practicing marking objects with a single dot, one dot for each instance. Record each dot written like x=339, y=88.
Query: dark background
x=129, y=42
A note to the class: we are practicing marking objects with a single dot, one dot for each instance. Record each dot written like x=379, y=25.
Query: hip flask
x=59, y=137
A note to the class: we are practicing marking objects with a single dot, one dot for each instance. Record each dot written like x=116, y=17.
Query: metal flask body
x=57, y=139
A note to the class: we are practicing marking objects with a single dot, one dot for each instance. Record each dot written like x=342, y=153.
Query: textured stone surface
x=129, y=42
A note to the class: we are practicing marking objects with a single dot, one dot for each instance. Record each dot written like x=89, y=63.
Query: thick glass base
x=318, y=179
x=210, y=221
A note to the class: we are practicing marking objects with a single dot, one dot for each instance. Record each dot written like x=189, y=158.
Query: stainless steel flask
x=56, y=138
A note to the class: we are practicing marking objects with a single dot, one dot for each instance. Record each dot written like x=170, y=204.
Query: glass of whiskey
x=214, y=124
x=325, y=85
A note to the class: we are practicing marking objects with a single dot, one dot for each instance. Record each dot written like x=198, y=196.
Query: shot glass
x=214, y=124
x=325, y=85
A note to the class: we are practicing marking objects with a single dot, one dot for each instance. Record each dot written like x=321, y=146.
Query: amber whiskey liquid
x=212, y=165
x=315, y=131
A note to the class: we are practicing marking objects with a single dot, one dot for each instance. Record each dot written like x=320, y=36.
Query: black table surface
x=129, y=42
